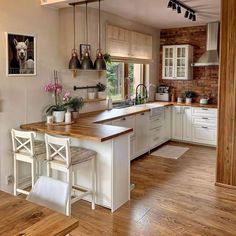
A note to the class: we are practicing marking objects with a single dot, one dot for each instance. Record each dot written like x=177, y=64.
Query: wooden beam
x=226, y=154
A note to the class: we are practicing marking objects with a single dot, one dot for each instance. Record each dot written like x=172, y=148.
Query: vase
x=91, y=95
x=102, y=95
x=188, y=100
x=59, y=116
x=75, y=115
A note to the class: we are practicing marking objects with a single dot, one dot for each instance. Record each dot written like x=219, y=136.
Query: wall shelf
x=77, y=71
x=94, y=100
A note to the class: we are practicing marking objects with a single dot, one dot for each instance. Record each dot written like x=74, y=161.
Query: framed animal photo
x=83, y=48
x=21, y=55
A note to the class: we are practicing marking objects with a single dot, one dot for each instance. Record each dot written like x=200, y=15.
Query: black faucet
x=145, y=95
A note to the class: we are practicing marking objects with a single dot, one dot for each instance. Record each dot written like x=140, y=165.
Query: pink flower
x=51, y=88
x=66, y=96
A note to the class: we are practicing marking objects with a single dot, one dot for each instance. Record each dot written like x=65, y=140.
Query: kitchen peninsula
x=119, y=135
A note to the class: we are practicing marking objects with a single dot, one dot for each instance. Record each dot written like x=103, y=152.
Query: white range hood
x=210, y=57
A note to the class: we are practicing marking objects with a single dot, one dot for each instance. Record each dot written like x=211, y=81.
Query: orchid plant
x=60, y=99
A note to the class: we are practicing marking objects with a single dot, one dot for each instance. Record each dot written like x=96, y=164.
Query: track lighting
x=179, y=9
x=178, y=5
x=190, y=16
x=169, y=4
x=173, y=6
x=186, y=14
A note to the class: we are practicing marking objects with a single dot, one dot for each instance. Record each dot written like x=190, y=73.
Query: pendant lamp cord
x=86, y=24
x=99, y=26
x=74, y=27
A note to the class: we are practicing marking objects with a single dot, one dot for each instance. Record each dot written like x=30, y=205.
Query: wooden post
x=226, y=154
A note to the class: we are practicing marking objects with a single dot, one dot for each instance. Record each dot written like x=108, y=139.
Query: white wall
x=22, y=98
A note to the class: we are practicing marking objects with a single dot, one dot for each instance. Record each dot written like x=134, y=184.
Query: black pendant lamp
x=74, y=63
x=87, y=63
x=99, y=63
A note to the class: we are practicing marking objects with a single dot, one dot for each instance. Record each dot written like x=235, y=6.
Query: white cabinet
x=157, y=130
x=167, y=123
x=128, y=122
x=176, y=62
x=187, y=124
x=177, y=122
x=182, y=123
x=142, y=133
x=123, y=43
x=204, y=129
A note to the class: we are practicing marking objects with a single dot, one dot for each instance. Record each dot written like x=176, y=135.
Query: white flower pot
x=188, y=100
x=59, y=116
x=102, y=95
x=91, y=95
x=179, y=100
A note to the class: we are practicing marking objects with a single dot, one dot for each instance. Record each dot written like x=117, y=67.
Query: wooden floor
x=171, y=197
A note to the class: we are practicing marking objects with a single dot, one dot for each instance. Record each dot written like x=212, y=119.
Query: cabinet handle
x=204, y=127
x=123, y=118
x=142, y=114
x=204, y=118
x=205, y=109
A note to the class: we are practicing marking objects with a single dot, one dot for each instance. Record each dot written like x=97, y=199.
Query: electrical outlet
x=9, y=179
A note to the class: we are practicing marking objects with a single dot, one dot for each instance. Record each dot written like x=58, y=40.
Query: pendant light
x=87, y=63
x=74, y=63
x=99, y=63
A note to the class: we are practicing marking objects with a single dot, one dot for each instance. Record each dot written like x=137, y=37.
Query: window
x=123, y=78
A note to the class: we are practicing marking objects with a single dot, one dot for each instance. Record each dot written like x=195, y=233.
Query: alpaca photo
x=20, y=55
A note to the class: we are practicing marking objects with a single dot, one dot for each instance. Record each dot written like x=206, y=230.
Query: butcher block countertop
x=89, y=125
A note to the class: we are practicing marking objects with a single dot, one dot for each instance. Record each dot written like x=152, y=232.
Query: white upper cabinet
x=176, y=62
x=123, y=43
x=118, y=41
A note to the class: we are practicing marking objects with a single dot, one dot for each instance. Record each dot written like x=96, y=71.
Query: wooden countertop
x=89, y=125
x=21, y=217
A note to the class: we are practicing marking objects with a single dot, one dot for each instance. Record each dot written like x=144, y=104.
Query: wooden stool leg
x=15, y=176
x=69, y=180
x=33, y=172
x=93, y=169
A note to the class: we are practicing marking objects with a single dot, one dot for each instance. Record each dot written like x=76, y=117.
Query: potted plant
x=91, y=94
x=107, y=58
x=75, y=104
x=101, y=91
x=59, y=107
x=189, y=95
x=180, y=98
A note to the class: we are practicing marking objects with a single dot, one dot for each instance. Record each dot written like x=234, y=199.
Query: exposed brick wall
x=205, y=79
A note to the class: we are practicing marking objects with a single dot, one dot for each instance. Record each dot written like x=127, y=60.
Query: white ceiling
x=156, y=13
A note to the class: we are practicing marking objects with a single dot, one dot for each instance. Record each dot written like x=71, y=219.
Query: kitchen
x=147, y=59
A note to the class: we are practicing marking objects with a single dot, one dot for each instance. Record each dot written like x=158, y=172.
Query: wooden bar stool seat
x=28, y=150
x=65, y=158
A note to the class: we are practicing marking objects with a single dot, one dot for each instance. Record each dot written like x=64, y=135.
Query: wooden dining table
x=20, y=217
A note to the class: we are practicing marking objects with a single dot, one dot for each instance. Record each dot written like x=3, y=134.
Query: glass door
x=168, y=60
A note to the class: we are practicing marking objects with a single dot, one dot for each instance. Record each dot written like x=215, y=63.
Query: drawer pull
x=205, y=109
x=204, y=118
x=123, y=118
x=204, y=127
x=142, y=114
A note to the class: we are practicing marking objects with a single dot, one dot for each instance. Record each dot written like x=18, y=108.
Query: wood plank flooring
x=171, y=197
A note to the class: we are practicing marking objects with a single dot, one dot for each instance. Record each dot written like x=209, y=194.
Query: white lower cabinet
x=187, y=124
x=198, y=125
x=204, y=135
x=167, y=123
x=142, y=133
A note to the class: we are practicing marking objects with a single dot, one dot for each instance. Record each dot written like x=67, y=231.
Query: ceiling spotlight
x=186, y=14
x=173, y=6
x=194, y=17
x=190, y=16
x=170, y=4
x=178, y=9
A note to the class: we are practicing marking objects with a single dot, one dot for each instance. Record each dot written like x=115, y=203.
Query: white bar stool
x=62, y=157
x=26, y=149
x=50, y=193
